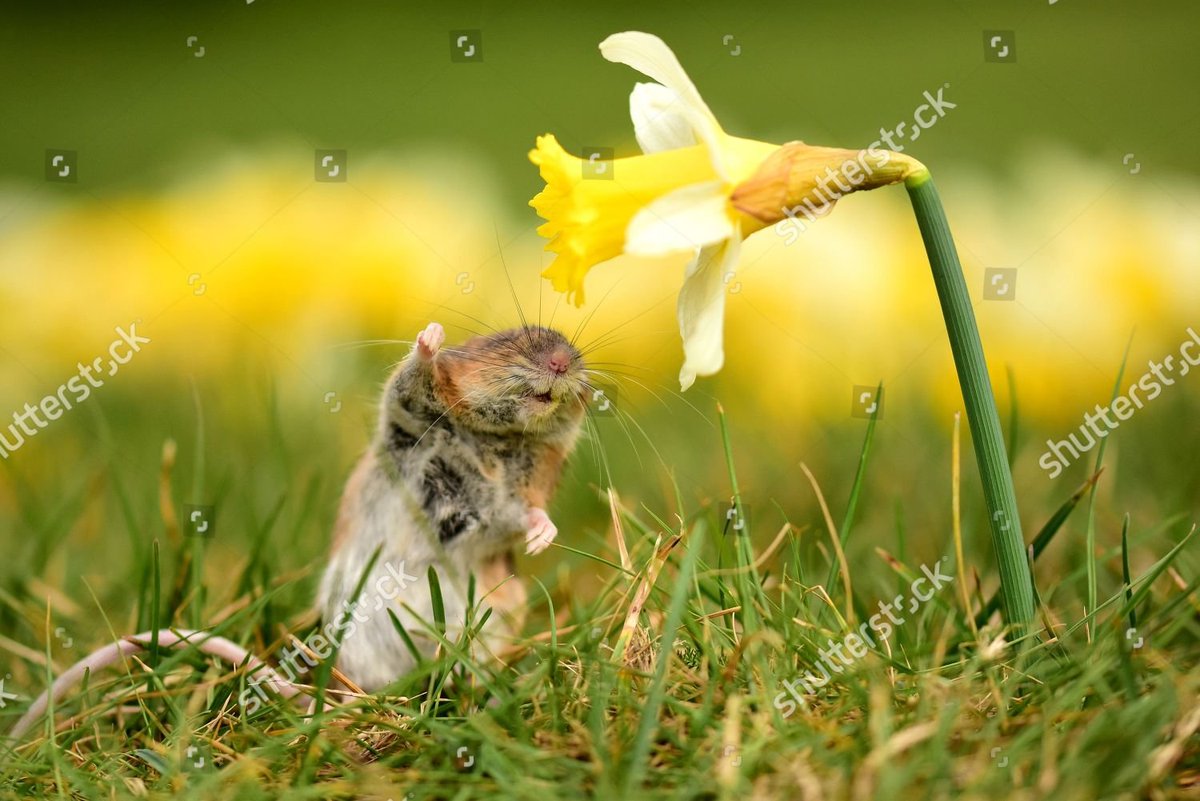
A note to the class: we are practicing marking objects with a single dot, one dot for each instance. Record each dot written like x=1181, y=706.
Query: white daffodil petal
x=701, y=309
x=659, y=120
x=650, y=56
x=684, y=219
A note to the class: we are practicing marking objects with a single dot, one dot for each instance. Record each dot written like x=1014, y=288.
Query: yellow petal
x=587, y=215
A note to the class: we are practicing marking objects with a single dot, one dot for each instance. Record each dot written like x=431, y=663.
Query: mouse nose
x=559, y=361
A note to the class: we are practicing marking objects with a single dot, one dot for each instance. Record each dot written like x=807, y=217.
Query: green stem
x=1016, y=583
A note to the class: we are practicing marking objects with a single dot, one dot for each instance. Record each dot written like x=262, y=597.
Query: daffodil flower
x=695, y=189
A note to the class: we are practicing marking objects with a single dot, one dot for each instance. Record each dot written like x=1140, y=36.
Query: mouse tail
x=167, y=638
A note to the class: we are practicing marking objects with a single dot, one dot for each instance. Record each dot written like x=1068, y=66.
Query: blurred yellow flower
x=295, y=298
x=695, y=189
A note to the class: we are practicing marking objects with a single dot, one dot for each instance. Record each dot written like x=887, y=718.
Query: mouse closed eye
x=471, y=442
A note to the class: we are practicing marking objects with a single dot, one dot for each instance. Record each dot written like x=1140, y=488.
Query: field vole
x=470, y=445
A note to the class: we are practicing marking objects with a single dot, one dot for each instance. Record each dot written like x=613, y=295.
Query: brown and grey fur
x=469, y=448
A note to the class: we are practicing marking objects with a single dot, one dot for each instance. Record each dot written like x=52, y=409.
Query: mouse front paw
x=540, y=531
x=430, y=340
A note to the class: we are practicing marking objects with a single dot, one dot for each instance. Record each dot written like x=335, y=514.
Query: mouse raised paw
x=540, y=532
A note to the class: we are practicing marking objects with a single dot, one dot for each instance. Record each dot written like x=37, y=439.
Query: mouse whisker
x=653, y=306
x=366, y=343
x=588, y=317
x=472, y=318
x=610, y=338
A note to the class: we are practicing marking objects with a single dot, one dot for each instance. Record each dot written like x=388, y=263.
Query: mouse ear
x=430, y=340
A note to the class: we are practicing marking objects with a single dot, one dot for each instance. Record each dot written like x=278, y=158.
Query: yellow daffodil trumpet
x=698, y=190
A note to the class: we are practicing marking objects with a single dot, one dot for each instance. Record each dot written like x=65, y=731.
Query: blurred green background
x=196, y=211
x=119, y=84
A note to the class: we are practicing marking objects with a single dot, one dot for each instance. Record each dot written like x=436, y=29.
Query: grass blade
x=649, y=720
x=856, y=489
x=1125, y=571
x=1042, y=540
x=435, y=598
x=1091, y=523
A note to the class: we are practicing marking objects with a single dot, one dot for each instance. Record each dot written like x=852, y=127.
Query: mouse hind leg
x=498, y=586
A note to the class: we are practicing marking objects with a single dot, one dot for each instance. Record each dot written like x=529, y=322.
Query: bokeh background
x=195, y=210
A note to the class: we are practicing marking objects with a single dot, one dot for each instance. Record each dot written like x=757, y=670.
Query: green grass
x=681, y=706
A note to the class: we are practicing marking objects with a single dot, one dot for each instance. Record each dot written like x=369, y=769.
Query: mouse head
x=529, y=379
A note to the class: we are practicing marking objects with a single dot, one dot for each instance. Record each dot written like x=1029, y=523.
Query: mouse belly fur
x=388, y=510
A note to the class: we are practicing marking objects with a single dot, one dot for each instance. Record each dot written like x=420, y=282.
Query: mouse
x=470, y=445
x=469, y=448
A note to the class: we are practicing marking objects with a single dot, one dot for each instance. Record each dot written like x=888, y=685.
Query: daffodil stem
x=1016, y=582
